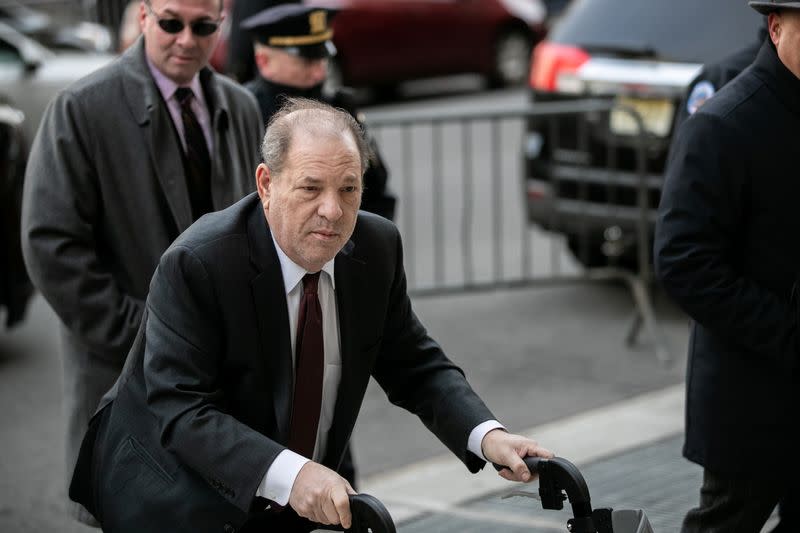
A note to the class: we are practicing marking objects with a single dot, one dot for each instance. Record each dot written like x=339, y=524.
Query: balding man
x=263, y=326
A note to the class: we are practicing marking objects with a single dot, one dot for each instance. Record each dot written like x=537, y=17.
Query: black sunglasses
x=200, y=28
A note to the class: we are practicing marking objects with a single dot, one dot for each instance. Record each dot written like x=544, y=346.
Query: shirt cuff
x=476, y=437
x=277, y=484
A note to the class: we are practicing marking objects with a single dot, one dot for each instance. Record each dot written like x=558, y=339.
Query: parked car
x=54, y=33
x=641, y=55
x=15, y=286
x=31, y=75
x=381, y=43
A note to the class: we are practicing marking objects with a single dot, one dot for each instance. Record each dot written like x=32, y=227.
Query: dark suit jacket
x=202, y=407
x=726, y=249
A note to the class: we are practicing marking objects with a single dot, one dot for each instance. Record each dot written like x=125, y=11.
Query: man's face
x=282, y=67
x=784, y=30
x=312, y=205
x=179, y=56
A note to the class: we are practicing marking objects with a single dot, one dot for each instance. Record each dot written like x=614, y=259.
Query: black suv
x=582, y=175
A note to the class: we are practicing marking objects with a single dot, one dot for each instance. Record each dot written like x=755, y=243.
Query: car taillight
x=551, y=60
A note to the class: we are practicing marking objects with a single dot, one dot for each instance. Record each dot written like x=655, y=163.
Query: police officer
x=292, y=44
x=726, y=251
x=715, y=75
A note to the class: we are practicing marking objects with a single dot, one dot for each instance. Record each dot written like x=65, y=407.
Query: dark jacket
x=202, y=407
x=726, y=250
x=376, y=198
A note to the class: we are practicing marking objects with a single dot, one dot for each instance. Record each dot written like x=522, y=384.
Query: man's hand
x=321, y=495
x=503, y=448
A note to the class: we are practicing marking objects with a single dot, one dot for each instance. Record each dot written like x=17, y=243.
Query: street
x=536, y=355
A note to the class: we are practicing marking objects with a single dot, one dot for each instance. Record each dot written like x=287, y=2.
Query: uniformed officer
x=726, y=251
x=714, y=75
x=292, y=44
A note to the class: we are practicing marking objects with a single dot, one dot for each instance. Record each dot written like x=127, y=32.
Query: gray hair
x=306, y=113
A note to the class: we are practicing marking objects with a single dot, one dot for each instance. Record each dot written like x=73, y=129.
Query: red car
x=384, y=42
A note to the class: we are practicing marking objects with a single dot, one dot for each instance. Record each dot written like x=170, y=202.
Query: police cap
x=296, y=28
x=766, y=7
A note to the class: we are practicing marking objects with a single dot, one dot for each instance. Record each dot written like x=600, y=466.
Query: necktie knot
x=184, y=96
x=310, y=282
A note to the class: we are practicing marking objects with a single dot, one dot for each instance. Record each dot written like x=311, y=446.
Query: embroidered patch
x=701, y=92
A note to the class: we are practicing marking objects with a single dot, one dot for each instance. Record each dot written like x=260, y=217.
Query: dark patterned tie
x=310, y=361
x=198, y=162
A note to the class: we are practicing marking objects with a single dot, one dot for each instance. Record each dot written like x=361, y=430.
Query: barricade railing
x=462, y=199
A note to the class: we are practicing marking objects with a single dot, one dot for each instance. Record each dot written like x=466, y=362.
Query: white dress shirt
x=277, y=483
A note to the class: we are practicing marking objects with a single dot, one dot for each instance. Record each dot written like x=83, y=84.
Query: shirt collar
x=167, y=87
x=293, y=273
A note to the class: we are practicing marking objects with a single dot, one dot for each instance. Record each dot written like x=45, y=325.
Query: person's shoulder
x=253, y=86
x=736, y=96
x=97, y=85
x=213, y=229
x=375, y=230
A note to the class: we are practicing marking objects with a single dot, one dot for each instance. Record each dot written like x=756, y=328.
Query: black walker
x=559, y=480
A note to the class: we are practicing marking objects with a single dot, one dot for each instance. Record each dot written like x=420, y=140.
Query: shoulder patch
x=702, y=91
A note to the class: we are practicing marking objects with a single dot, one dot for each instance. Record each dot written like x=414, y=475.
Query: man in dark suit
x=123, y=162
x=264, y=323
x=293, y=46
x=726, y=251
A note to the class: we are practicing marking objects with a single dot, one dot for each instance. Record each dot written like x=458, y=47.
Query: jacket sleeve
x=698, y=238
x=61, y=208
x=416, y=375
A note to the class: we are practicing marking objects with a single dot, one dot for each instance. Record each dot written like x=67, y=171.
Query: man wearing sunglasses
x=124, y=161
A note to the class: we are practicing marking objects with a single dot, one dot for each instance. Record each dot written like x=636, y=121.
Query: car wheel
x=512, y=56
x=335, y=80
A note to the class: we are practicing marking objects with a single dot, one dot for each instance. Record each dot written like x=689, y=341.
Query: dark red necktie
x=310, y=361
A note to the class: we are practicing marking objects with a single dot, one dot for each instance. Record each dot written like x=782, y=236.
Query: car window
x=676, y=30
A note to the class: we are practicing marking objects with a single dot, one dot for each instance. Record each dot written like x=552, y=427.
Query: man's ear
x=261, y=58
x=142, y=16
x=774, y=26
x=264, y=184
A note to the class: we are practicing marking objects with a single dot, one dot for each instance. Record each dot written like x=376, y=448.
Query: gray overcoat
x=105, y=194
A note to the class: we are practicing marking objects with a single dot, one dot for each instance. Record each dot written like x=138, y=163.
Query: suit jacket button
x=228, y=528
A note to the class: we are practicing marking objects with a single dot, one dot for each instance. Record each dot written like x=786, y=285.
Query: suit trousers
x=730, y=504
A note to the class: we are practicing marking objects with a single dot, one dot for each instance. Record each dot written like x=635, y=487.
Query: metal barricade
x=462, y=202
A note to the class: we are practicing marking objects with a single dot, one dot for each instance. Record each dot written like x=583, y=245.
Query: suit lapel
x=269, y=298
x=350, y=292
x=151, y=112
x=221, y=193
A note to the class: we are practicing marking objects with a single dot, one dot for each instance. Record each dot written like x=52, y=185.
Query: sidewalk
x=621, y=450
x=629, y=454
